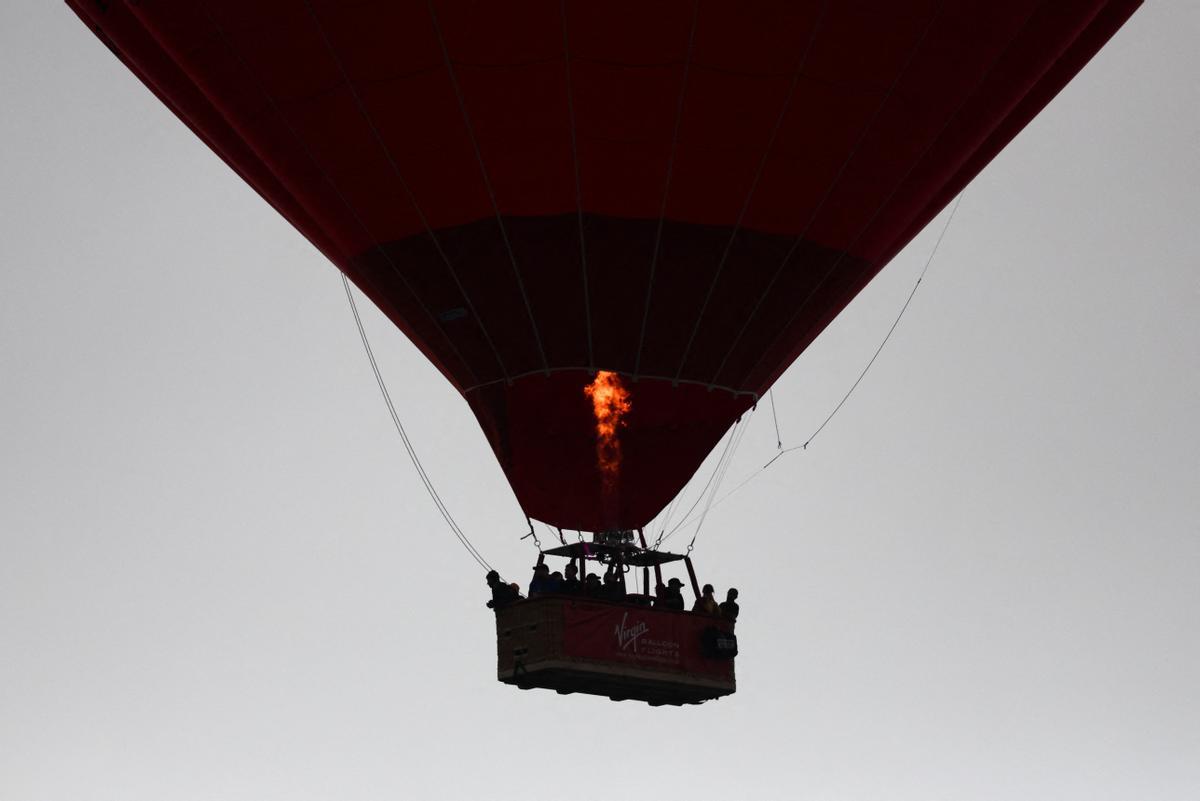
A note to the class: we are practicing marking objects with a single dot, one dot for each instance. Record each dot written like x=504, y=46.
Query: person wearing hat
x=541, y=579
x=706, y=604
x=671, y=598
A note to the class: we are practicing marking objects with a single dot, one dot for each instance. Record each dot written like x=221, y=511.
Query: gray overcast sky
x=220, y=578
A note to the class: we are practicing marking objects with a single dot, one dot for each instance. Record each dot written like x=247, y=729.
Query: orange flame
x=610, y=402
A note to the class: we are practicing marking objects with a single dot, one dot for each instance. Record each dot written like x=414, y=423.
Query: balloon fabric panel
x=682, y=193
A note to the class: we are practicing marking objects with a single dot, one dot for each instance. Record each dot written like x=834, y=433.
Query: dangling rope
x=891, y=330
x=775, y=417
x=779, y=443
x=408, y=446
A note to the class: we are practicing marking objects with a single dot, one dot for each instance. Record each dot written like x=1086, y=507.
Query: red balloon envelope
x=681, y=193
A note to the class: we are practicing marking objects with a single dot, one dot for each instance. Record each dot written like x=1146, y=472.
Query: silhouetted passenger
x=729, y=608
x=592, y=586
x=541, y=580
x=570, y=584
x=554, y=583
x=672, y=598
x=706, y=604
x=502, y=594
x=614, y=588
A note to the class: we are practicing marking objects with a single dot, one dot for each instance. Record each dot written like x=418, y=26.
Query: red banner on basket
x=641, y=637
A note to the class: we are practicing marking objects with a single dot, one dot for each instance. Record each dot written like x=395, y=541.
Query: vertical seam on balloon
x=412, y=199
x=887, y=200
x=812, y=217
x=337, y=192
x=662, y=209
x=753, y=186
x=587, y=302
x=487, y=183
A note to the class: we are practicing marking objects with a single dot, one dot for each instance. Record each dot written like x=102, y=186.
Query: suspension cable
x=714, y=481
x=408, y=446
x=703, y=491
x=716, y=488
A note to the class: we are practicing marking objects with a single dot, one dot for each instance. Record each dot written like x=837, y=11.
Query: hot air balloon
x=611, y=226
